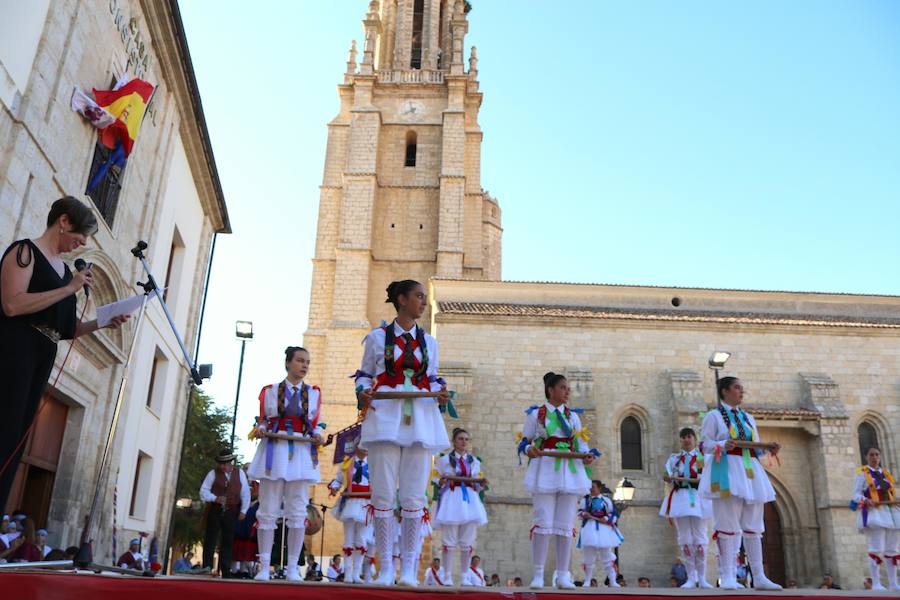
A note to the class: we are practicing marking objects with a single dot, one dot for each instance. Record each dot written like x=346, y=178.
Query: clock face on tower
x=412, y=109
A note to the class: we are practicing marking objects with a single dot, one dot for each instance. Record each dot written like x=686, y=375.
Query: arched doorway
x=773, y=544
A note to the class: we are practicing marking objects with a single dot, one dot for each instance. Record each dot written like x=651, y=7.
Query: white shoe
x=448, y=581
x=876, y=585
x=408, y=579
x=614, y=584
x=691, y=582
x=564, y=580
x=385, y=577
x=263, y=574
x=704, y=584
x=537, y=583
x=292, y=573
x=761, y=582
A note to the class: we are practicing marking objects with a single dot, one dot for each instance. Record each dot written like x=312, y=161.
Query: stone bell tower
x=401, y=195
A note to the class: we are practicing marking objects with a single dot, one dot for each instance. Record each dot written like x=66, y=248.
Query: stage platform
x=69, y=585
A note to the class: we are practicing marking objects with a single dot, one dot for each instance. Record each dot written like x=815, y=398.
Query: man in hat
x=227, y=495
x=132, y=559
x=41, y=542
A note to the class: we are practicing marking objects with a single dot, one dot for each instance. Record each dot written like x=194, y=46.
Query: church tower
x=401, y=195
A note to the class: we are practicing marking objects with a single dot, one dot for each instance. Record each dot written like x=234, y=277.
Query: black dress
x=27, y=355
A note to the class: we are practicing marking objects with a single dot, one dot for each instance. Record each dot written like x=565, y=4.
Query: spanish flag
x=127, y=104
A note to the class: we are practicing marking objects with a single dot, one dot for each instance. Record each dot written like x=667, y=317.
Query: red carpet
x=49, y=585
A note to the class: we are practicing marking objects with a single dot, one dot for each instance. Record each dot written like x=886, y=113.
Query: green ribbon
x=748, y=466
x=408, y=387
x=564, y=447
x=449, y=408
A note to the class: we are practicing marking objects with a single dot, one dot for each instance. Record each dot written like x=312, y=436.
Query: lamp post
x=621, y=497
x=243, y=330
x=716, y=362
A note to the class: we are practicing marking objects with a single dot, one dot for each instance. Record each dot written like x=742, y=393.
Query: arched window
x=868, y=438
x=630, y=434
x=410, y=149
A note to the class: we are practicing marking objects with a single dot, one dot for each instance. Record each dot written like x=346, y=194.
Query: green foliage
x=208, y=430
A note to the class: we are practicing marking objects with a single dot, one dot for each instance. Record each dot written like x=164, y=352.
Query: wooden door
x=773, y=545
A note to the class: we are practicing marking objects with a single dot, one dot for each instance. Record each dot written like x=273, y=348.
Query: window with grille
x=415, y=61
x=410, y=150
x=106, y=193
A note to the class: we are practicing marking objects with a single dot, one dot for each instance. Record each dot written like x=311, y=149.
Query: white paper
x=107, y=312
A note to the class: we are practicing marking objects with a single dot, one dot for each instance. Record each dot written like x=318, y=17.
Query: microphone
x=80, y=265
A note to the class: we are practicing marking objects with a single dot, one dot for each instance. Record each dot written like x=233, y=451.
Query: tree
x=207, y=433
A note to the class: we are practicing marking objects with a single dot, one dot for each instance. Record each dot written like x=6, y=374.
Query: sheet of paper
x=106, y=312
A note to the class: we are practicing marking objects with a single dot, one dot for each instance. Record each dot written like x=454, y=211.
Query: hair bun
x=548, y=376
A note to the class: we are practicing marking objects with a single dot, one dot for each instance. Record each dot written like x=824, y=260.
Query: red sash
x=436, y=578
x=474, y=570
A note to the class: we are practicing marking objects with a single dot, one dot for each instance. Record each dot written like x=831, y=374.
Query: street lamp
x=717, y=361
x=243, y=330
x=624, y=491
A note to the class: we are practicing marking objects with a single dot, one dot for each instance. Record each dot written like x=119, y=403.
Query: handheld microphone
x=80, y=265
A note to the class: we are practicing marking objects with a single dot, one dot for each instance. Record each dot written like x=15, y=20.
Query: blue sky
x=709, y=144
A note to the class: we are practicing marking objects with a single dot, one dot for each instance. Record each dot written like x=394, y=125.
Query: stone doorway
x=773, y=545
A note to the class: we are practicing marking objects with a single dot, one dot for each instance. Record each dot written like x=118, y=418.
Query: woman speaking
x=37, y=309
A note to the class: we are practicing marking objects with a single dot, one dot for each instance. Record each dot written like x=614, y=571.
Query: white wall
x=21, y=26
x=147, y=430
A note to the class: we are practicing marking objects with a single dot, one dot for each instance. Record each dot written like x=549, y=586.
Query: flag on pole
x=127, y=104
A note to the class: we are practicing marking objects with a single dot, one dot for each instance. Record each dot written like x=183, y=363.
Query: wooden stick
x=753, y=445
x=291, y=438
x=685, y=479
x=888, y=503
x=560, y=454
x=465, y=479
x=404, y=395
x=357, y=494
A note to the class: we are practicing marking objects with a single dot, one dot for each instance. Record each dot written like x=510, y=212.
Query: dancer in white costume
x=687, y=508
x=285, y=469
x=401, y=435
x=353, y=481
x=737, y=484
x=600, y=534
x=460, y=511
x=875, y=496
x=555, y=484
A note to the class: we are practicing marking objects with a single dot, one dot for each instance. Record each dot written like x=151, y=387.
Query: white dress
x=549, y=475
x=681, y=501
x=385, y=423
x=886, y=517
x=273, y=459
x=714, y=433
x=595, y=534
x=352, y=509
x=458, y=504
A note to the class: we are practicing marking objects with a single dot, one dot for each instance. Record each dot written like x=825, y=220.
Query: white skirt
x=351, y=509
x=385, y=423
x=453, y=510
x=298, y=468
x=753, y=491
x=543, y=477
x=598, y=535
x=886, y=517
x=682, y=507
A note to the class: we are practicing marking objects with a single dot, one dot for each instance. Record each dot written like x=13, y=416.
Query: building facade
x=168, y=194
x=821, y=369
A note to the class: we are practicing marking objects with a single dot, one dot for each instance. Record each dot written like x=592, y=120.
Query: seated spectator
x=643, y=582
x=71, y=552
x=673, y=582
x=434, y=576
x=495, y=580
x=517, y=582
x=474, y=576
x=55, y=555
x=132, y=559
x=867, y=583
x=593, y=582
x=313, y=572
x=41, y=542
x=679, y=572
x=620, y=579
x=335, y=569
x=184, y=564
x=27, y=549
x=828, y=583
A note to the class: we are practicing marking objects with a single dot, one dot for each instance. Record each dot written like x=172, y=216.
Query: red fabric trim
x=436, y=578
x=875, y=557
x=480, y=576
x=83, y=586
x=348, y=551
